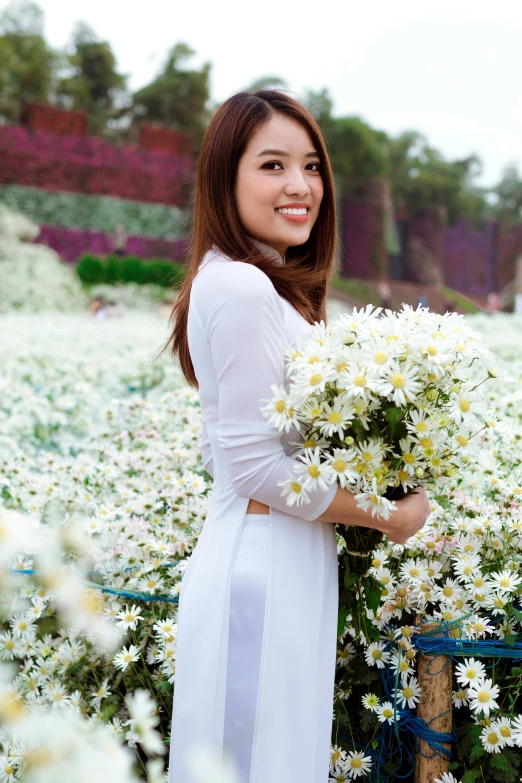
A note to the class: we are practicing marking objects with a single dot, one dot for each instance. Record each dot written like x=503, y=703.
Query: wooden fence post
x=435, y=677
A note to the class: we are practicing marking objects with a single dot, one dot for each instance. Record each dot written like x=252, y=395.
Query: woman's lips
x=294, y=218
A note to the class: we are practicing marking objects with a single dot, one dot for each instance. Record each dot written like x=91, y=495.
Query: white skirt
x=247, y=611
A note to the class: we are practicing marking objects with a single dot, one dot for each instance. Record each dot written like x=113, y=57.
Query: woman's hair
x=304, y=276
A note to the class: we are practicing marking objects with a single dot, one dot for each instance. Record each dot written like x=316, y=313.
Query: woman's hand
x=410, y=516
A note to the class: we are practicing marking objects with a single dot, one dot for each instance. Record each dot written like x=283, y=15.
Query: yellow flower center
x=398, y=381
x=313, y=471
x=280, y=406
x=407, y=693
x=296, y=487
x=483, y=697
x=339, y=465
x=464, y=406
x=381, y=357
x=335, y=417
x=316, y=379
x=409, y=458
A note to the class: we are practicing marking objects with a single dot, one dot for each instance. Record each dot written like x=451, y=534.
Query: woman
x=257, y=619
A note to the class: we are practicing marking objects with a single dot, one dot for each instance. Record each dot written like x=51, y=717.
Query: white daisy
x=491, y=739
x=482, y=696
x=470, y=671
x=409, y=694
x=377, y=655
x=128, y=618
x=385, y=712
x=357, y=764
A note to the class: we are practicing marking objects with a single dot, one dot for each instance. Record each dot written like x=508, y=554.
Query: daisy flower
x=506, y=580
x=377, y=655
x=503, y=727
x=482, y=695
x=357, y=764
x=335, y=417
x=341, y=463
x=294, y=489
x=385, y=712
x=409, y=695
x=128, y=618
x=470, y=671
x=126, y=656
x=516, y=728
x=460, y=698
x=491, y=739
x=400, y=383
x=314, y=472
x=370, y=701
x=446, y=777
x=279, y=410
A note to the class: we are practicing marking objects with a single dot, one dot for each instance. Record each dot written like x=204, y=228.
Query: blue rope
x=113, y=590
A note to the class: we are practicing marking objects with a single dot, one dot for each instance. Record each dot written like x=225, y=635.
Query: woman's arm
x=243, y=321
x=206, y=451
x=410, y=516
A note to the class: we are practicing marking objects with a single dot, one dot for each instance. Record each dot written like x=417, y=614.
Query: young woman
x=257, y=621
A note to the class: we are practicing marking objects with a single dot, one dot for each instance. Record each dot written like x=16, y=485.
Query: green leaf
x=499, y=762
x=477, y=752
x=373, y=593
x=471, y=776
x=517, y=614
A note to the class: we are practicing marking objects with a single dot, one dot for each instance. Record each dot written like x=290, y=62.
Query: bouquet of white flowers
x=384, y=402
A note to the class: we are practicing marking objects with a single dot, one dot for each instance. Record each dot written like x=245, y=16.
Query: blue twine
x=137, y=596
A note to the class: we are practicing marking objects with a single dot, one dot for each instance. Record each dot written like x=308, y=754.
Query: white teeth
x=294, y=211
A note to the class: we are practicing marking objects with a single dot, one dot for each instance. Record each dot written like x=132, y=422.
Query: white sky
x=451, y=69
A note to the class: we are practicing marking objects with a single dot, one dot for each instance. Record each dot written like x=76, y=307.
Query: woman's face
x=279, y=173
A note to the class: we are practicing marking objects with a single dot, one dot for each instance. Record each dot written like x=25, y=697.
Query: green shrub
x=133, y=270
x=130, y=269
x=91, y=269
x=113, y=269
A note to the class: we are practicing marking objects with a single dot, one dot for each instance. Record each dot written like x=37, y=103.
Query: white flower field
x=102, y=497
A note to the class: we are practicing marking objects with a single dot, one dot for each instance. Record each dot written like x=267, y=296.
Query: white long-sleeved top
x=238, y=326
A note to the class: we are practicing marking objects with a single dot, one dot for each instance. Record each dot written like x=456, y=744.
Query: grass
x=465, y=305
x=358, y=289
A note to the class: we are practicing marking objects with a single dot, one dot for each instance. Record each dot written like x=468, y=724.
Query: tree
x=91, y=81
x=27, y=64
x=508, y=205
x=177, y=97
x=267, y=83
x=421, y=177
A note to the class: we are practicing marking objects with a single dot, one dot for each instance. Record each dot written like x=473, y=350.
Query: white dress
x=257, y=617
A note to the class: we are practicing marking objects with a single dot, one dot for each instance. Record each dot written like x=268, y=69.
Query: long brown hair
x=304, y=276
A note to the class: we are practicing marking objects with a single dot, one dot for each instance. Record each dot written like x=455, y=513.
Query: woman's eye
x=270, y=166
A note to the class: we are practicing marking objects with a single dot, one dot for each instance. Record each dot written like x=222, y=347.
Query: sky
x=450, y=69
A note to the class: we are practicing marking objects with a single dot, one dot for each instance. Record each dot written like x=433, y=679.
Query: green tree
x=177, y=97
x=421, y=177
x=267, y=83
x=508, y=197
x=27, y=64
x=91, y=81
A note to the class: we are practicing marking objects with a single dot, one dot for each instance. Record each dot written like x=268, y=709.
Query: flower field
x=102, y=497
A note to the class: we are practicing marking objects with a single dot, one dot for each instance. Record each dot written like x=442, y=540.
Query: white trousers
x=247, y=610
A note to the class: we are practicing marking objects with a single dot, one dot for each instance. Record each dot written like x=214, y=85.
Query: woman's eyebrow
x=283, y=154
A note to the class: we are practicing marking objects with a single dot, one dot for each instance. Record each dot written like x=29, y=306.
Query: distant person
x=384, y=291
x=119, y=240
x=422, y=299
x=98, y=308
x=493, y=304
x=112, y=310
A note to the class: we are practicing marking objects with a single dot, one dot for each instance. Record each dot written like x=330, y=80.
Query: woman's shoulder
x=224, y=275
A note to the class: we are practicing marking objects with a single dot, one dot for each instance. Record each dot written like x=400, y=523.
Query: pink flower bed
x=92, y=165
x=72, y=243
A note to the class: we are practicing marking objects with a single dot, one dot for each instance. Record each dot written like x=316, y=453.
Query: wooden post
x=435, y=676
